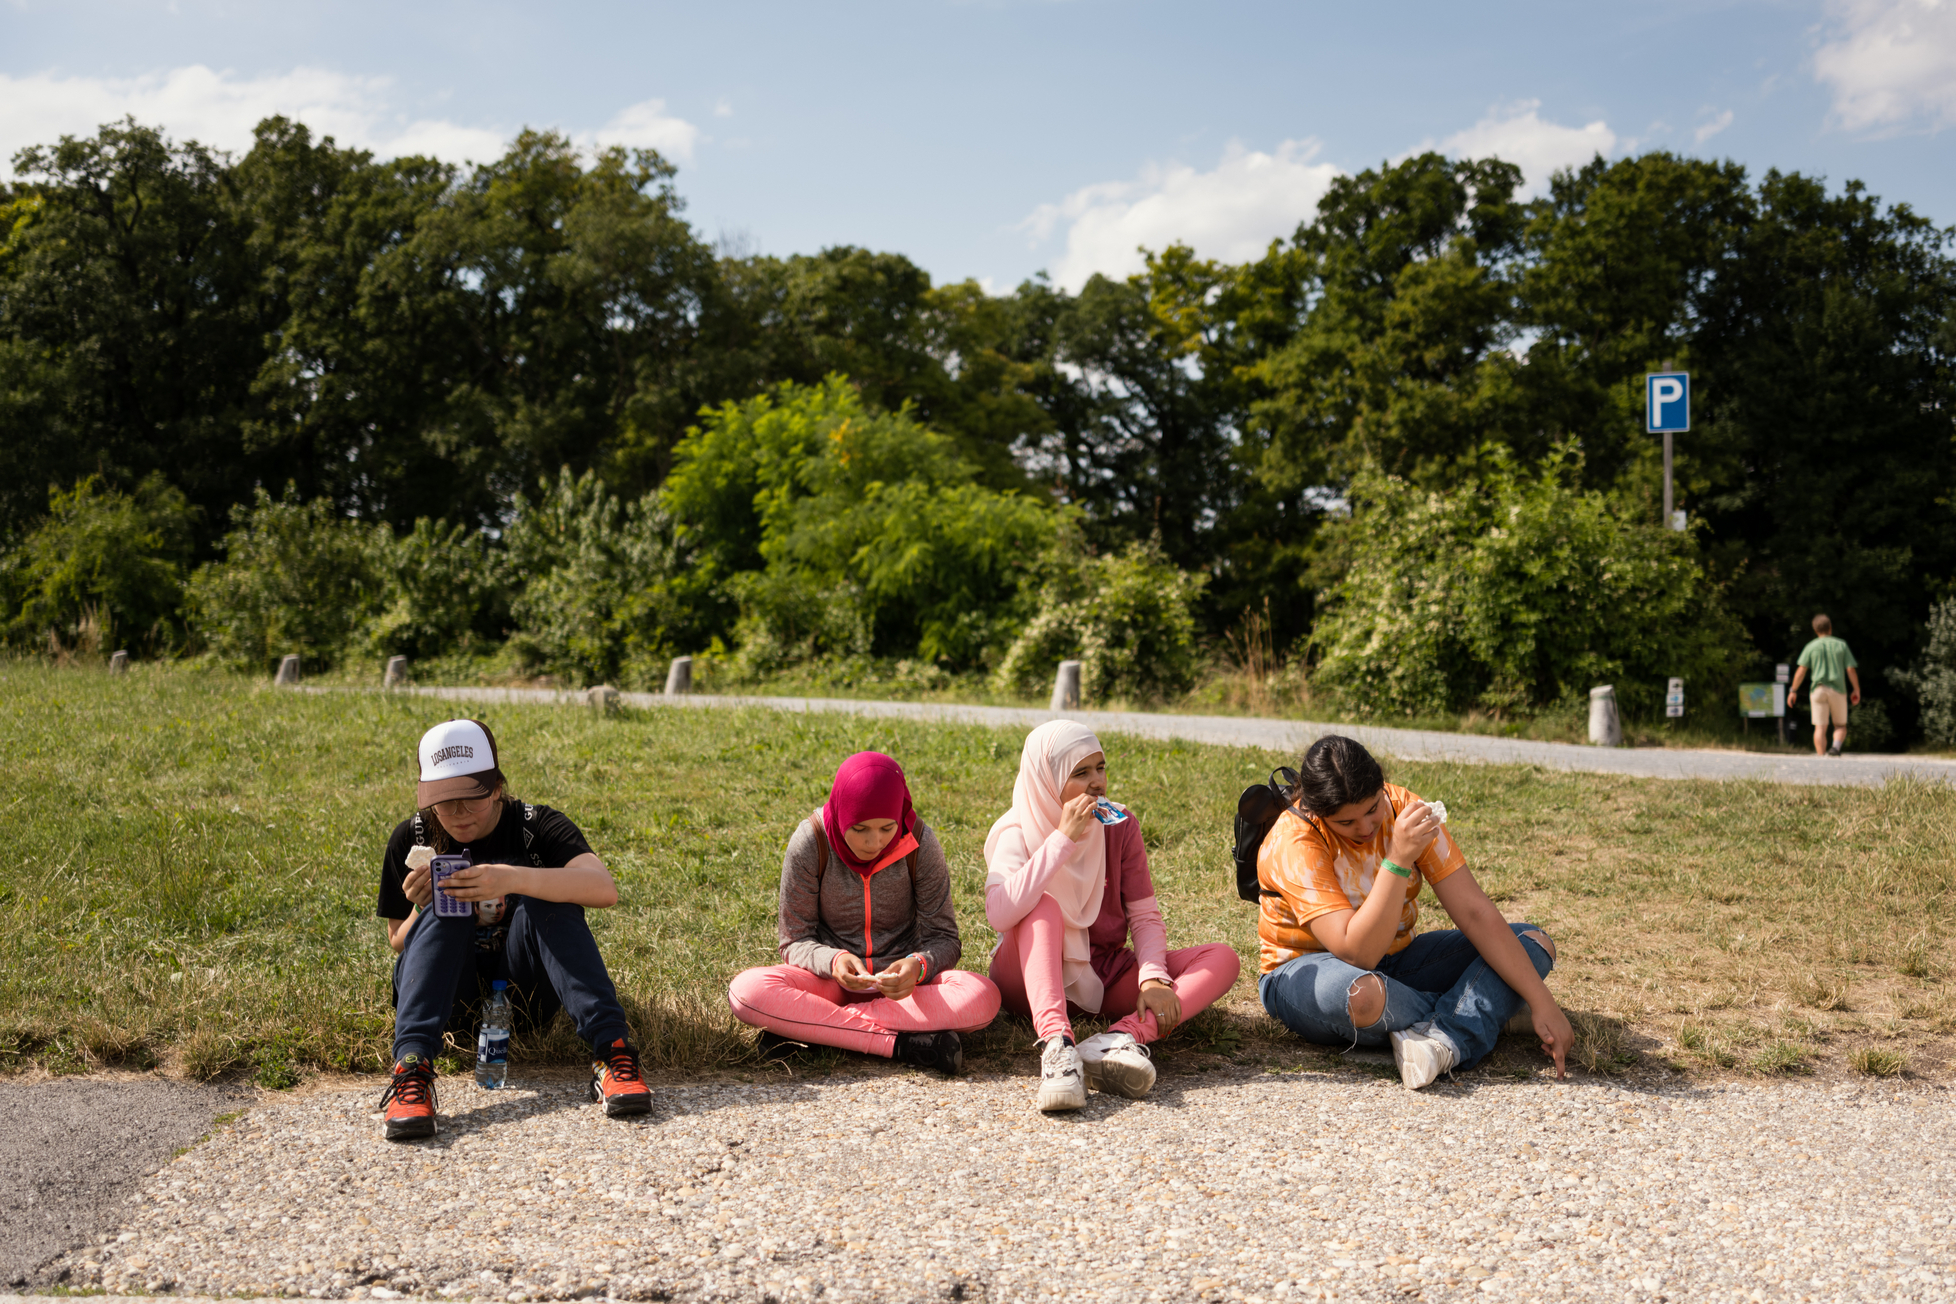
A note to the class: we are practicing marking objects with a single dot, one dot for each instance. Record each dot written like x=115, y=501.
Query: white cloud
x=220, y=109
x=1231, y=212
x=723, y=107
x=1706, y=131
x=1891, y=64
x=1516, y=133
x=646, y=125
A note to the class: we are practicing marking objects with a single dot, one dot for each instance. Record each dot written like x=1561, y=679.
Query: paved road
x=72, y=1152
x=1293, y=736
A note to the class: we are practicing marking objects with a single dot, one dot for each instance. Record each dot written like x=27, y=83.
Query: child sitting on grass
x=1067, y=886
x=532, y=876
x=869, y=940
x=1340, y=873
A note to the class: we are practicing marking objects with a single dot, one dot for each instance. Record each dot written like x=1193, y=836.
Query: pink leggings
x=791, y=1002
x=1026, y=968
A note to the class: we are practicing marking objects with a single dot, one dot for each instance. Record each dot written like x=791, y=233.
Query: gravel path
x=1239, y=1185
x=1294, y=735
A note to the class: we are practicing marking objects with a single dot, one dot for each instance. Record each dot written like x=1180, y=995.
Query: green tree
x=295, y=577
x=597, y=604
x=1516, y=591
x=1399, y=357
x=1826, y=467
x=809, y=492
x=1128, y=617
x=103, y=556
x=129, y=323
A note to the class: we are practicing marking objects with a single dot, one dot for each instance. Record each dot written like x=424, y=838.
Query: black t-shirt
x=546, y=838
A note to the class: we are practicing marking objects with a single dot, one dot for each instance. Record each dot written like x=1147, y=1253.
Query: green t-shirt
x=1827, y=660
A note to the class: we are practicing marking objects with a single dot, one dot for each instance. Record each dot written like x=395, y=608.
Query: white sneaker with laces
x=1422, y=1055
x=1061, y=1085
x=1116, y=1062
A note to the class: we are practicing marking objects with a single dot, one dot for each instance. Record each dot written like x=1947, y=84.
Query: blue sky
x=997, y=139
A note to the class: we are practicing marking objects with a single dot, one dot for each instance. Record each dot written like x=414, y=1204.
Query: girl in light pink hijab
x=1067, y=885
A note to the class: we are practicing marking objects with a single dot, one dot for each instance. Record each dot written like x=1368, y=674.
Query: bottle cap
x=498, y=985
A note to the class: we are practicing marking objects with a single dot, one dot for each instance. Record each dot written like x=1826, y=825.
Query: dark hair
x=1335, y=772
x=1822, y=626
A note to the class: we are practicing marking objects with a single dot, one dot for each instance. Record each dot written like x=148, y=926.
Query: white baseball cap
x=458, y=760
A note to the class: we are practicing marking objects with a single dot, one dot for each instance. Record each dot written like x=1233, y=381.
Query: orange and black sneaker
x=410, y=1100
x=617, y=1082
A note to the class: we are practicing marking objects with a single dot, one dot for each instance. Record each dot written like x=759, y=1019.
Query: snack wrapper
x=1439, y=809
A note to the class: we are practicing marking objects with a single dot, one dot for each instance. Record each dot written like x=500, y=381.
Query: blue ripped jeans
x=1439, y=979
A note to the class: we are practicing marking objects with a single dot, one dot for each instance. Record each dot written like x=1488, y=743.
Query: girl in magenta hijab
x=869, y=943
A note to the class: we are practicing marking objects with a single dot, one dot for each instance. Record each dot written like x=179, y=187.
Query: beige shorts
x=1828, y=703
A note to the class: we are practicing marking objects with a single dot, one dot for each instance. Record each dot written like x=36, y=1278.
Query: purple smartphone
x=446, y=906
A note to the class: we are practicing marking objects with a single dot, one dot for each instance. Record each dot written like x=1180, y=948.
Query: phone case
x=447, y=906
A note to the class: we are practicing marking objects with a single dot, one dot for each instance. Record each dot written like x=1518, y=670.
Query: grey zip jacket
x=875, y=920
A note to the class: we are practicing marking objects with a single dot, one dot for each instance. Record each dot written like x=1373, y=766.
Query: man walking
x=1833, y=668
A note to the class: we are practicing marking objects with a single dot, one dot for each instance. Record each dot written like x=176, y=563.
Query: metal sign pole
x=1667, y=481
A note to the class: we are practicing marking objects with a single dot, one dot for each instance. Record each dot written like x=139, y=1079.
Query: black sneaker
x=1835, y=750
x=410, y=1100
x=773, y=1046
x=931, y=1050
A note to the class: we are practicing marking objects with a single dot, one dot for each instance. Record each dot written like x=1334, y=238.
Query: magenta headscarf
x=869, y=786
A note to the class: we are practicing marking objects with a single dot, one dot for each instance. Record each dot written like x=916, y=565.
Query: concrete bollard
x=396, y=674
x=679, y=677
x=603, y=699
x=288, y=672
x=1605, y=728
x=118, y=663
x=1066, y=687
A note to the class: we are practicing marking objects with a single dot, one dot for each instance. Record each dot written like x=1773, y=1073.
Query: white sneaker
x=1116, y=1062
x=1422, y=1055
x=1061, y=1085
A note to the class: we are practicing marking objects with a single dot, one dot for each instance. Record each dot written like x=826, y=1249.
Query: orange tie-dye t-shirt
x=1313, y=872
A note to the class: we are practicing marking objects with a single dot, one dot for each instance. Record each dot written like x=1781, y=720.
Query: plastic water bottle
x=492, y=1043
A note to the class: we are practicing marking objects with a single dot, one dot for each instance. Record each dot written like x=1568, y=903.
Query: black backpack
x=1257, y=812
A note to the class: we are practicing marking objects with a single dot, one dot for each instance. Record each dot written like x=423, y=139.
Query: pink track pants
x=791, y=1002
x=1026, y=968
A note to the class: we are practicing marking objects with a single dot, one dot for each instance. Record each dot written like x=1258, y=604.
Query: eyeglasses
x=460, y=806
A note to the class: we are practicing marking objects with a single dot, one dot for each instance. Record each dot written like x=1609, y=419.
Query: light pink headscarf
x=1050, y=753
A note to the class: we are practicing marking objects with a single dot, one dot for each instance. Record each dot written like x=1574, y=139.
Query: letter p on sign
x=1667, y=402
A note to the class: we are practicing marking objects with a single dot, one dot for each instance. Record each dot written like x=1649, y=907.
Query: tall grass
x=196, y=861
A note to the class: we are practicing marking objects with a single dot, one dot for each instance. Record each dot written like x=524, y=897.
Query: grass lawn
x=199, y=857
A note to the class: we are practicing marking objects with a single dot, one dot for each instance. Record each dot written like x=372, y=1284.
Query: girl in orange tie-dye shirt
x=1341, y=872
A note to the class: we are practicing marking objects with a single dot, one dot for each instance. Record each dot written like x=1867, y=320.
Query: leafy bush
x=1869, y=728
x=597, y=603
x=103, y=558
x=1130, y=619
x=1933, y=677
x=296, y=577
x=447, y=593
x=1515, y=593
x=841, y=530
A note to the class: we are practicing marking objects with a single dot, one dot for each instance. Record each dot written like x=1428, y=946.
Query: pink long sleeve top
x=1127, y=907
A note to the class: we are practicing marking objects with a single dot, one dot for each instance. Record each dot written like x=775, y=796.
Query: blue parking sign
x=1667, y=402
